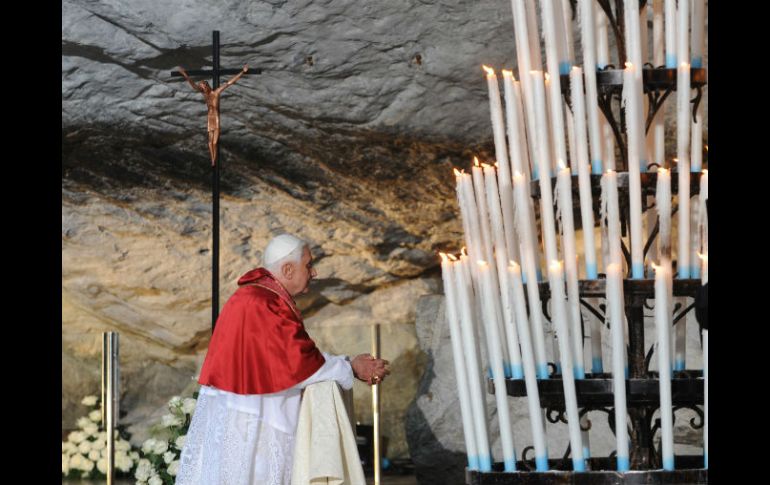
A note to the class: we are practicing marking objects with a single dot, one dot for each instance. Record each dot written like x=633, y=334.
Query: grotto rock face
x=347, y=138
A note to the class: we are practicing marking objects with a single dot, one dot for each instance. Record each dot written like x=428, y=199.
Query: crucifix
x=211, y=95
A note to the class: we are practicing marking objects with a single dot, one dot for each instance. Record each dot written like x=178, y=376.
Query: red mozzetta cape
x=259, y=345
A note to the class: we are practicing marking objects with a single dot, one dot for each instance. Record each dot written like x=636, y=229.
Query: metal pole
x=215, y=203
x=110, y=393
x=376, y=405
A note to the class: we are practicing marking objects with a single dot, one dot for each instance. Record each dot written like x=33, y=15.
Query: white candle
x=602, y=44
x=680, y=341
x=487, y=252
x=534, y=37
x=521, y=192
x=590, y=62
x=513, y=359
x=501, y=153
x=494, y=339
x=561, y=317
x=644, y=35
x=461, y=374
x=563, y=16
x=683, y=166
x=698, y=25
x=683, y=31
x=564, y=187
x=469, y=212
x=615, y=313
x=704, y=277
x=550, y=21
x=633, y=35
x=544, y=157
x=473, y=364
x=670, y=25
x=635, y=132
x=703, y=213
x=530, y=372
x=663, y=203
x=609, y=143
x=662, y=324
x=658, y=124
x=694, y=238
x=706, y=398
x=523, y=55
x=584, y=180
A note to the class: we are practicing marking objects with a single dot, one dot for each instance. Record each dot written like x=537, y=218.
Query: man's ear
x=287, y=270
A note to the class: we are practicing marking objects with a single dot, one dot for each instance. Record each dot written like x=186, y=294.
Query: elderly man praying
x=259, y=359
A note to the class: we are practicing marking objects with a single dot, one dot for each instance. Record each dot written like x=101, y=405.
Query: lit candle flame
x=705, y=171
x=458, y=173
x=703, y=257
x=609, y=172
x=489, y=70
x=517, y=174
x=485, y=165
x=481, y=262
x=497, y=164
x=452, y=257
x=513, y=264
x=561, y=165
x=476, y=161
x=555, y=265
x=656, y=267
x=463, y=252
x=662, y=171
x=444, y=259
x=508, y=74
x=629, y=65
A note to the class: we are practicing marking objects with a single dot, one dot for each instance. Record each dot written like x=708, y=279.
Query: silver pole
x=110, y=393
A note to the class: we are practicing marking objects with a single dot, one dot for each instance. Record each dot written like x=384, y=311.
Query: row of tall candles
x=500, y=233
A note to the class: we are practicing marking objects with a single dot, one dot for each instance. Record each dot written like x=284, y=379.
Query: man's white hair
x=284, y=248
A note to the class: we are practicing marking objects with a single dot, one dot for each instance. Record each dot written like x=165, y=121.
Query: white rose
x=84, y=447
x=169, y=456
x=91, y=430
x=161, y=446
x=95, y=416
x=89, y=401
x=148, y=445
x=155, y=480
x=75, y=461
x=123, y=463
x=83, y=422
x=122, y=445
x=76, y=437
x=134, y=455
x=65, y=464
x=94, y=455
x=173, y=467
x=143, y=470
x=87, y=465
x=101, y=465
x=174, y=402
x=180, y=441
x=68, y=447
x=169, y=420
x=188, y=406
x=99, y=444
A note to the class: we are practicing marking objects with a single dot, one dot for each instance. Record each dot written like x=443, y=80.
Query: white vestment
x=237, y=439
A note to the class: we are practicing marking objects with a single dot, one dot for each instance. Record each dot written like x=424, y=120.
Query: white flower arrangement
x=84, y=454
x=160, y=454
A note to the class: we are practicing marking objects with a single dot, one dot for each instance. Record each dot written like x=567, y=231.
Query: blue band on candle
x=542, y=371
x=596, y=167
x=600, y=65
x=668, y=463
x=586, y=452
x=541, y=463
x=564, y=67
x=558, y=368
x=535, y=173
x=625, y=372
x=671, y=61
x=643, y=165
x=695, y=272
x=705, y=461
x=592, y=271
x=539, y=275
x=683, y=273
x=473, y=462
x=489, y=373
x=485, y=463
x=679, y=365
x=696, y=62
x=696, y=168
x=510, y=464
x=637, y=271
x=578, y=465
x=596, y=365
x=507, y=370
x=623, y=464
x=524, y=278
x=579, y=372
x=517, y=371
